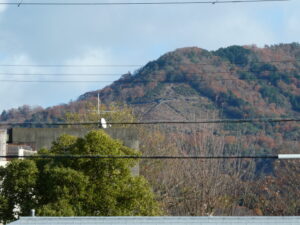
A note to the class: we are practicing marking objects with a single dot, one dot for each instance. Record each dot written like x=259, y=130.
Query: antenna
x=99, y=112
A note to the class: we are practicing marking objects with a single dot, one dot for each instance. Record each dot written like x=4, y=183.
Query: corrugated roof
x=159, y=220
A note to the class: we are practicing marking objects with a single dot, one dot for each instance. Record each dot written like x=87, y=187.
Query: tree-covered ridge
x=239, y=81
x=244, y=81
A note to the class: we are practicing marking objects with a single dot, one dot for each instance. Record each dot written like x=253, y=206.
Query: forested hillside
x=237, y=82
x=190, y=84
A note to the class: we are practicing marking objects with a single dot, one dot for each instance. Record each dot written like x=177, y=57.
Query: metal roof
x=159, y=220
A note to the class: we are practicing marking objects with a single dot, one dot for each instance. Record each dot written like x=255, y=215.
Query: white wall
x=3, y=139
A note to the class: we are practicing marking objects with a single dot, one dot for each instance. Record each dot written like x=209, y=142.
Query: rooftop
x=159, y=220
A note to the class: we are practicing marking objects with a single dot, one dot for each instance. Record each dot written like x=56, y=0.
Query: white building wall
x=3, y=140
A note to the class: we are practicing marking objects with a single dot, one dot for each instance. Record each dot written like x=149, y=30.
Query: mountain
x=193, y=83
x=236, y=82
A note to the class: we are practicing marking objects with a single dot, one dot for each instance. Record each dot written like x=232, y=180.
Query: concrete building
x=158, y=221
x=24, y=141
x=39, y=138
x=11, y=149
x=3, y=140
x=19, y=150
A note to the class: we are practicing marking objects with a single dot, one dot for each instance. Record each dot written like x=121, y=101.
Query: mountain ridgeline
x=191, y=83
x=237, y=82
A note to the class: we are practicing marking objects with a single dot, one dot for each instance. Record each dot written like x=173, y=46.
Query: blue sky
x=122, y=35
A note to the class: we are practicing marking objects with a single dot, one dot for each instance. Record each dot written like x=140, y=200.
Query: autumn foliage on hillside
x=237, y=81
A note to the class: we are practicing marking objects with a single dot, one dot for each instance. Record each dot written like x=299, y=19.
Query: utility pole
x=99, y=104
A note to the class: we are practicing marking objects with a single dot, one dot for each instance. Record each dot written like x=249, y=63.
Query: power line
x=20, y=2
x=134, y=3
x=220, y=121
x=135, y=157
x=63, y=74
x=136, y=65
x=66, y=65
x=152, y=74
x=57, y=81
x=133, y=81
x=279, y=156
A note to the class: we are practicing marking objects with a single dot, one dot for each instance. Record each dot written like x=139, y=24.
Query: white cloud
x=87, y=63
x=15, y=93
x=47, y=94
x=3, y=7
x=292, y=28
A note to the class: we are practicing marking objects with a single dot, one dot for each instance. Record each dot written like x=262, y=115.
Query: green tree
x=77, y=187
x=235, y=54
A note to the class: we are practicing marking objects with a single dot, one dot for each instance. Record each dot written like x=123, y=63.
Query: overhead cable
x=220, y=121
x=133, y=81
x=151, y=74
x=279, y=156
x=135, y=3
x=133, y=157
x=56, y=81
x=136, y=65
x=66, y=65
x=62, y=74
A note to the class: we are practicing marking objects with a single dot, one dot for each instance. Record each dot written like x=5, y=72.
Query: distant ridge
x=234, y=82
